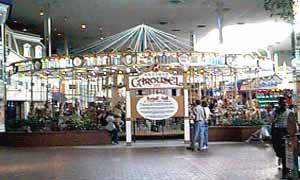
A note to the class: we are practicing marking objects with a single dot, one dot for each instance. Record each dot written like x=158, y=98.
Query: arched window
x=38, y=51
x=27, y=50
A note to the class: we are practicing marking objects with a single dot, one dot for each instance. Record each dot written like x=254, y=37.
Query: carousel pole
x=115, y=94
x=199, y=88
x=88, y=92
x=250, y=86
x=47, y=89
x=235, y=83
x=31, y=88
x=212, y=81
x=205, y=85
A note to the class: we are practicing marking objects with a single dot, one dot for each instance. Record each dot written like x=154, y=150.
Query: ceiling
x=114, y=16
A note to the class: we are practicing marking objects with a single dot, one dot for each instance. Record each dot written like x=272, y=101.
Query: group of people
x=200, y=115
x=112, y=121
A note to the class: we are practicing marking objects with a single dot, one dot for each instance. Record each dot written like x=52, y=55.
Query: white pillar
x=49, y=37
x=187, y=137
x=128, y=119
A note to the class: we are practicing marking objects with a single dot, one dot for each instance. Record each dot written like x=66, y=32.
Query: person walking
x=207, y=116
x=279, y=131
x=198, y=126
x=111, y=127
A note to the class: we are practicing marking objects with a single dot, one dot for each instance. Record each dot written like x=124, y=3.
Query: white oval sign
x=157, y=107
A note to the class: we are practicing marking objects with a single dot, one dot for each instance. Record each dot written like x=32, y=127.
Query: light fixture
x=42, y=13
x=163, y=22
x=59, y=34
x=15, y=21
x=176, y=30
x=226, y=9
x=25, y=30
x=201, y=26
x=176, y=1
x=83, y=26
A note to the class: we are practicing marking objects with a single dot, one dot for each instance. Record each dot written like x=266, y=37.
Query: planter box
x=64, y=138
x=230, y=133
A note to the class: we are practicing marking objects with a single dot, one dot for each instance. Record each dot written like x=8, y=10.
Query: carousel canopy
x=137, y=39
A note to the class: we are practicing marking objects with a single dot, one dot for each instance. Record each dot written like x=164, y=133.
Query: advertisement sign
x=156, y=80
x=157, y=107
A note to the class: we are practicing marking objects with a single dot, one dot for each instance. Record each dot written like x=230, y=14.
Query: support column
x=187, y=137
x=220, y=24
x=49, y=36
x=3, y=100
x=186, y=109
x=128, y=119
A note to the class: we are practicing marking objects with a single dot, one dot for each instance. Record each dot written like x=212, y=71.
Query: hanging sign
x=184, y=60
x=37, y=65
x=77, y=61
x=155, y=80
x=157, y=107
x=129, y=59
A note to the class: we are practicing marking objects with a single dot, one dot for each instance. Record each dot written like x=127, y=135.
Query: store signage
x=155, y=80
x=268, y=84
x=157, y=107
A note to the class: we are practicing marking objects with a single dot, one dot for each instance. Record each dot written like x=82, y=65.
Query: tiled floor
x=148, y=161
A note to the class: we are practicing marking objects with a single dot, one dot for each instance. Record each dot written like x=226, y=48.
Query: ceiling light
x=226, y=9
x=42, y=13
x=83, y=26
x=176, y=1
x=25, y=30
x=201, y=26
x=15, y=21
x=163, y=22
x=175, y=30
x=59, y=34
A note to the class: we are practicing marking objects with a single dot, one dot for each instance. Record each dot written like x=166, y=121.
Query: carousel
x=148, y=78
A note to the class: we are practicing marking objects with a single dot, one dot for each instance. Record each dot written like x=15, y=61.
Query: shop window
x=38, y=51
x=27, y=50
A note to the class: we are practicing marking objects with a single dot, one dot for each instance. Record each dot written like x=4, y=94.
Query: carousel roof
x=137, y=39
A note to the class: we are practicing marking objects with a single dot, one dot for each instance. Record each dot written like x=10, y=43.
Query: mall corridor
x=142, y=161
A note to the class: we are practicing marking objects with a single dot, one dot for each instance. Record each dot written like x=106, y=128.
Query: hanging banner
x=155, y=80
x=157, y=107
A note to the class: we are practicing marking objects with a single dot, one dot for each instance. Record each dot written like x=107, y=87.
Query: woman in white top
x=111, y=127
